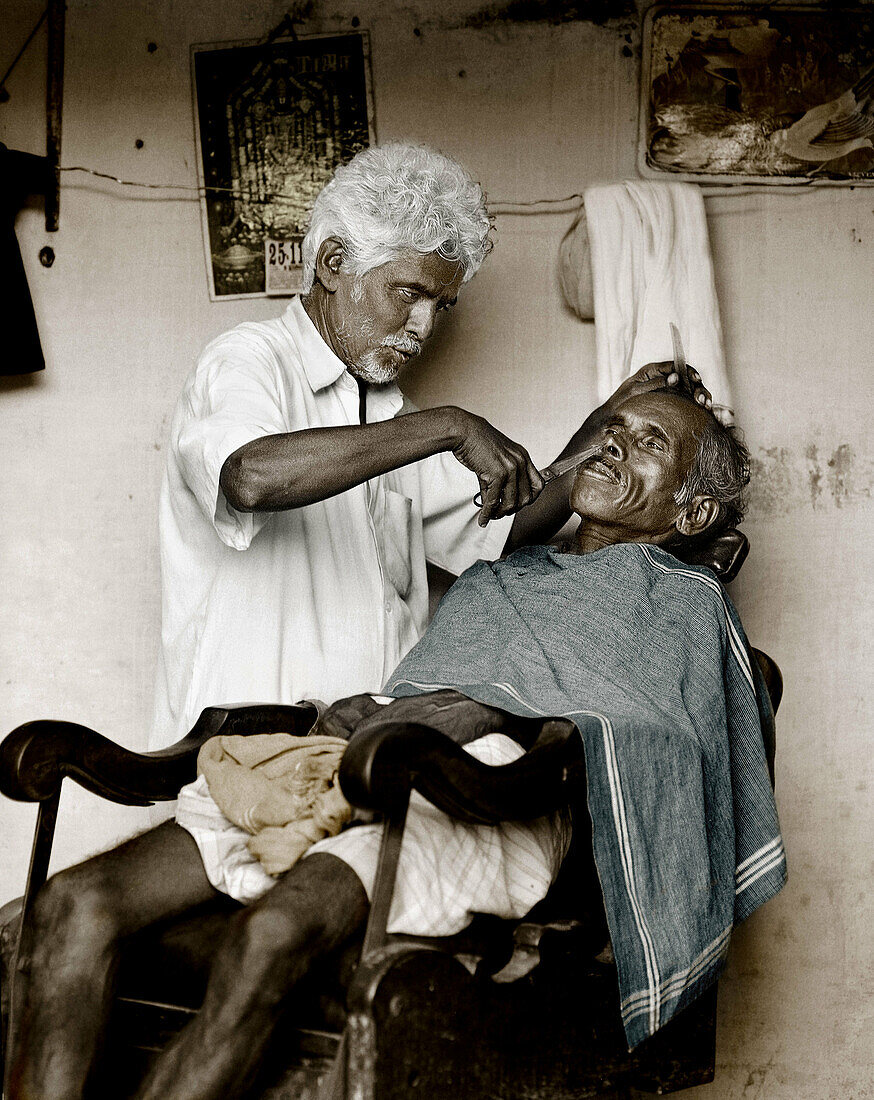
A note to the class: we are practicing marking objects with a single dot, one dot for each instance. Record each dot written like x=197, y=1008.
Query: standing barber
x=303, y=494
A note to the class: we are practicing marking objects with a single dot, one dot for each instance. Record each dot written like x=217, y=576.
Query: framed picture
x=273, y=120
x=736, y=94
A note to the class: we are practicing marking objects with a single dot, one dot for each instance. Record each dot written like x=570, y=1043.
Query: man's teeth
x=601, y=470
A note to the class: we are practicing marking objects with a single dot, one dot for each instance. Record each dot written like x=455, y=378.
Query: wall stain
x=814, y=474
x=840, y=467
x=552, y=11
x=782, y=479
x=620, y=15
x=754, y=1086
x=771, y=479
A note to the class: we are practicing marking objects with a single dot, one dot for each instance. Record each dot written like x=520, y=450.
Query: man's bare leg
x=268, y=947
x=78, y=918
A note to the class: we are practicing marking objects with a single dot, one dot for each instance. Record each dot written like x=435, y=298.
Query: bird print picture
x=739, y=94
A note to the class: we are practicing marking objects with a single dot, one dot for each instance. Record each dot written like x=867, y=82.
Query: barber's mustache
x=405, y=343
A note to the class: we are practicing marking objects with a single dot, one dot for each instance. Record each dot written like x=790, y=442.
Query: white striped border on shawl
x=766, y=859
x=669, y=990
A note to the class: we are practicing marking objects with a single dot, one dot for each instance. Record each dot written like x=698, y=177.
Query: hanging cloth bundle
x=650, y=265
x=21, y=174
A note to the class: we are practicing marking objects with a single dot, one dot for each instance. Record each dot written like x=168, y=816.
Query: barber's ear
x=329, y=261
x=697, y=516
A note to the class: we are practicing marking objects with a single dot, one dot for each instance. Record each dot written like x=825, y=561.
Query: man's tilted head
x=392, y=238
x=667, y=471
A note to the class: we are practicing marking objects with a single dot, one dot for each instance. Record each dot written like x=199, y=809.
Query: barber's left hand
x=445, y=710
x=451, y=713
x=342, y=718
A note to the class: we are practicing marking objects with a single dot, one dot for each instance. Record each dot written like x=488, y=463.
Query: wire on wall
x=201, y=191
x=497, y=206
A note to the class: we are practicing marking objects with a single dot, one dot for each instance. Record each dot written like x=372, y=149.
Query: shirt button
x=388, y=609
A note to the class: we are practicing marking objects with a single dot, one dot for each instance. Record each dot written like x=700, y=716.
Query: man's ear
x=696, y=517
x=329, y=261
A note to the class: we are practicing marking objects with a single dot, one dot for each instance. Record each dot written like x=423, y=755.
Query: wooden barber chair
x=504, y=1010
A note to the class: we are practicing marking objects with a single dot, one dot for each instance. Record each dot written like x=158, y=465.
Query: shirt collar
x=323, y=368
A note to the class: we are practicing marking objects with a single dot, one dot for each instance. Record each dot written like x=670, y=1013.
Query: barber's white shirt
x=314, y=602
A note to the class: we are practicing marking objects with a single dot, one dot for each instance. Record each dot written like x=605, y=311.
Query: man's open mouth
x=601, y=470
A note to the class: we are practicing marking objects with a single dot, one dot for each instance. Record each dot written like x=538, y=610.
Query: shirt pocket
x=394, y=537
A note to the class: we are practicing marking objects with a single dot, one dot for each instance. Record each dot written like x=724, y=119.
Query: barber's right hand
x=508, y=478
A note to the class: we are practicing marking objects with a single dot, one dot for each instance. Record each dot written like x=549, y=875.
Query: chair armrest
x=37, y=756
x=772, y=676
x=381, y=766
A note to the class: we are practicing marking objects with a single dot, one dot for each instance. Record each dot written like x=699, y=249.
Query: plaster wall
x=535, y=109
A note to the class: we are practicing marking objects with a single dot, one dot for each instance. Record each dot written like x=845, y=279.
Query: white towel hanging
x=651, y=265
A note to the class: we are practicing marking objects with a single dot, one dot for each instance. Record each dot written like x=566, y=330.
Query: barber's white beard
x=370, y=367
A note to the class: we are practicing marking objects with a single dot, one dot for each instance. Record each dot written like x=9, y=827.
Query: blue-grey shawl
x=648, y=657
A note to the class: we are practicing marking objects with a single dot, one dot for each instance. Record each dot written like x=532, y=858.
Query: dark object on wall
x=274, y=119
x=769, y=94
x=21, y=174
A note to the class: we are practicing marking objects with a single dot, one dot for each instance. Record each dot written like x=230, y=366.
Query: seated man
x=645, y=655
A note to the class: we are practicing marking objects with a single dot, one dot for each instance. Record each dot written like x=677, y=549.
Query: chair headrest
x=724, y=554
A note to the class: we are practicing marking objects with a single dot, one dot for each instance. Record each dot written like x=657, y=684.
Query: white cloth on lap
x=223, y=846
x=448, y=870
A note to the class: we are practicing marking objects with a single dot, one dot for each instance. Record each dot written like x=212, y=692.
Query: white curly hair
x=395, y=197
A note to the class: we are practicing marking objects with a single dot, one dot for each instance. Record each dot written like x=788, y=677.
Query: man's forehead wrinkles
x=429, y=269
x=638, y=422
x=657, y=429
x=672, y=421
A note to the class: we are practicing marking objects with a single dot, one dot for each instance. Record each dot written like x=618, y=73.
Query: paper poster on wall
x=273, y=121
x=767, y=94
